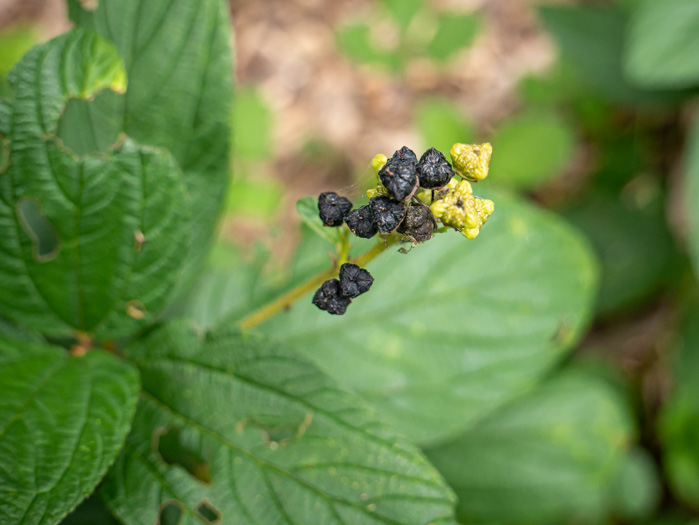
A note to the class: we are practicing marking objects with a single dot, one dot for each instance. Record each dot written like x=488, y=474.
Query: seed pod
x=333, y=208
x=419, y=224
x=354, y=280
x=329, y=298
x=433, y=170
x=361, y=222
x=388, y=213
x=399, y=174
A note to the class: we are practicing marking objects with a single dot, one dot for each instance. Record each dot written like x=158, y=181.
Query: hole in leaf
x=91, y=126
x=170, y=513
x=168, y=444
x=207, y=511
x=40, y=230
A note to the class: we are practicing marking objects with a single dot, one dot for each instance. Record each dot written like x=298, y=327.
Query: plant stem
x=286, y=300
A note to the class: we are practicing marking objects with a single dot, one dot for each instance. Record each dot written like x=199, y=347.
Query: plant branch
x=285, y=301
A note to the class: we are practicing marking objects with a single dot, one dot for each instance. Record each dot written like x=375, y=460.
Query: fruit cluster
x=410, y=196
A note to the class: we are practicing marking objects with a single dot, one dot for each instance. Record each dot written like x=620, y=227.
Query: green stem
x=285, y=301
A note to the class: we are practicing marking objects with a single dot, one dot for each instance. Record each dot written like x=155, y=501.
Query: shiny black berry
x=333, y=208
x=388, y=213
x=329, y=297
x=399, y=174
x=354, y=280
x=419, y=224
x=433, y=170
x=361, y=222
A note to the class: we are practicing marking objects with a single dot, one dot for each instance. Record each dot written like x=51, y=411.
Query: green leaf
x=455, y=328
x=633, y=244
x=441, y=124
x=356, y=42
x=402, y=11
x=593, y=39
x=63, y=420
x=15, y=41
x=454, y=33
x=549, y=457
x=252, y=118
x=263, y=437
x=663, y=44
x=530, y=149
x=178, y=61
x=679, y=419
x=637, y=490
x=90, y=243
x=307, y=208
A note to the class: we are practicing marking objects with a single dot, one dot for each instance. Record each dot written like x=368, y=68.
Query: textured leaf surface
x=663, y=44
x=88, y=242
x=178, y=62
x=62, y=422
x=275, y=439
x=549, y=457
x=455, y=327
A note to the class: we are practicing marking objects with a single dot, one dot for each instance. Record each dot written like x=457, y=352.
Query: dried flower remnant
x=433, y=170
x=388, y=213
x=332, y=208
x=399, y=174
x=354, y=280
x=361, y=222
x=419, y=224
x=329, y=298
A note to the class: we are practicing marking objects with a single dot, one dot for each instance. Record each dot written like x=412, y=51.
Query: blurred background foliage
x=590, y=107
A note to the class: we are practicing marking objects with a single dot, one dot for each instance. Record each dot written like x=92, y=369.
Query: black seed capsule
x=354, y=280
x=399, y=174
x=329, y=298
x=361, y=222
x=433, y=170
x=333, y=208
x=419, y=224
x=388, y=213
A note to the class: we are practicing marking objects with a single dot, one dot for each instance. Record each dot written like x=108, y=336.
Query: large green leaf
x=178, y=61
x=94, y=242
x=592, y=38
x=663, y=44
x=62, y=422
x=679, y=421
x=455, y=328
x=261, y=436
x=549, y=457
